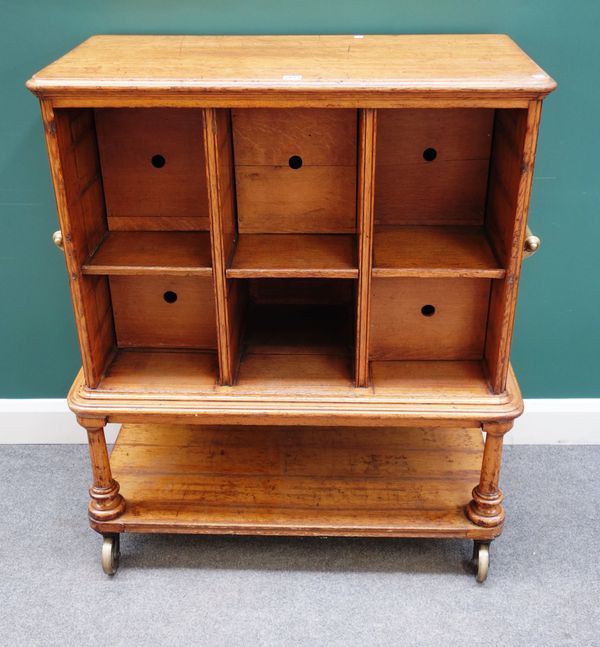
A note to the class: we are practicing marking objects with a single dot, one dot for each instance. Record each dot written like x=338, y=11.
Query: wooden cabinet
x=294, y=263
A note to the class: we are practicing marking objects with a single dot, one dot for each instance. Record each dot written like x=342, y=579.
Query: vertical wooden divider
x=367, y=136
x=223, y=234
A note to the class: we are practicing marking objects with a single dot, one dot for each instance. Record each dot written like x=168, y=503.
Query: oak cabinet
x=294, y=263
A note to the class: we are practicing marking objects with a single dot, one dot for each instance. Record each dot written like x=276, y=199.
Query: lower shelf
x=297, y=480
x=319, y=368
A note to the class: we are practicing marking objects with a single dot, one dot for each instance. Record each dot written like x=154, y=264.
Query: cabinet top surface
x=454, y=66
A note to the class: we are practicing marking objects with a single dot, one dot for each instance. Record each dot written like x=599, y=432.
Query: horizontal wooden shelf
x=164, y=253
x=441, y=380
x=300, y=372
x=158, y=371
x=314, y=369
x=301, y=369
x=435, y=251
x=294, y=256
x=297, y=480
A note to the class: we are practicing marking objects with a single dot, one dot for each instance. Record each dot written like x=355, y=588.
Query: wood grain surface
x=437, y=319
x=433, y=379
x=367, y=153
x=294, y=256
x=164, y=253
x=158, y=372
x=511, y=178
x=178, y=391
x=293, y=70
x=432, y=166
x=252, y=480
x=223, y=233
x=308, y=200
x=75, y=168
x=269, y=137
x=164, y=311
x=434, y=252
x=323, y=233
x=153, y=168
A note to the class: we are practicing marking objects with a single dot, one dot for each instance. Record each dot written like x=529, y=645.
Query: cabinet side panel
x=511, y=174
x=229, y=296
x=74, y=163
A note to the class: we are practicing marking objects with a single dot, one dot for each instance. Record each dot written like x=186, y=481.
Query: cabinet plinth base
x=395, y=482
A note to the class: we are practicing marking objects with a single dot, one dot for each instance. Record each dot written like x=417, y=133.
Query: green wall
x=556, y=350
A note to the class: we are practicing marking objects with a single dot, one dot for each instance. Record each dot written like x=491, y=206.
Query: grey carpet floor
x=543, y=589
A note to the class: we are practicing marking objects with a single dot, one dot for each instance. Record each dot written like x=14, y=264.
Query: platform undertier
x=297, y=480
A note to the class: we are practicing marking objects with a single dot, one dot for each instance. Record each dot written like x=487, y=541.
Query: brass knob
x=57, y=239
x=532, y=243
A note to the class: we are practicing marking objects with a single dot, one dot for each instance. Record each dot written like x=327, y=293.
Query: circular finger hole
x=295, y=161
x=429, y=154
x=169, y=296
x=428, y=310
x=158, y=161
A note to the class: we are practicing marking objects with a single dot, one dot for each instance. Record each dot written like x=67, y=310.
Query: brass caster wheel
x=110, y=554
x=481, y=558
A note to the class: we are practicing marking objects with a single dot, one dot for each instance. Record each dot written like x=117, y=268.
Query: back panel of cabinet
x=295, y=170
x=163, y=312
x=437, y=319
x=153, y=168
x=432, y=166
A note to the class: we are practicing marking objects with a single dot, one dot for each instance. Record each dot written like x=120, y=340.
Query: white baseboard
x=545, y=422
x=574, y=421
x=42, y=422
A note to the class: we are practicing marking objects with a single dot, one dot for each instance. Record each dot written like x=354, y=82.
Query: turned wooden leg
x=486, y=509
x=106, y=503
